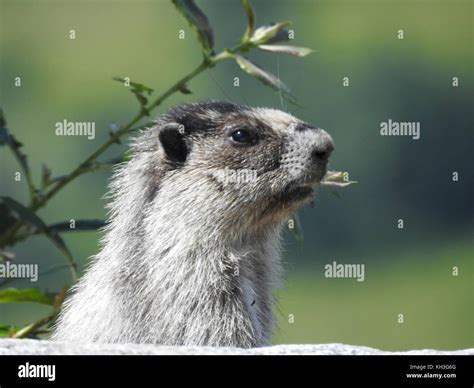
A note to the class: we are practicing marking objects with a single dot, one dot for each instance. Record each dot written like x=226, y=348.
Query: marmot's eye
x=244, y=136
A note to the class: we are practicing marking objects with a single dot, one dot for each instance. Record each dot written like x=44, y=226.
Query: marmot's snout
x=307, y=154
x=322, y=151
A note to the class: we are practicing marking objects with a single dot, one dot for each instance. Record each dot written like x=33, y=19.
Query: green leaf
x=142, y=100
x=6, y=218
x=292, y=50
x=135, y=85
x=250, y=20
x=29, y=216
x=198, y=21
x=268, y=33
x=261, y=74
x=336, y=179
x=6, y=138
x=139, y=90
x=13, y=295
x=23, y=213
x=184, y=89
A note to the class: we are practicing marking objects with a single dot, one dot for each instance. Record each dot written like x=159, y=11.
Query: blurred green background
x=408, y=271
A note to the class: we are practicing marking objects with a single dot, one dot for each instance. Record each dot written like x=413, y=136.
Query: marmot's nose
x=323, y=147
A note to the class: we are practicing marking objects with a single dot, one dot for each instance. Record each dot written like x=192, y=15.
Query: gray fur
x=189, y=258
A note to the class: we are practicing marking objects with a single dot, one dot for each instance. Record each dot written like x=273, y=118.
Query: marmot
x=191, y=252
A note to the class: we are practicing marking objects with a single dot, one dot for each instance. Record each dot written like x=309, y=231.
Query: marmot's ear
x=172, y=139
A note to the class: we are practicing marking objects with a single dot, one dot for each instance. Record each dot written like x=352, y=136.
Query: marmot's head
x=237, y=162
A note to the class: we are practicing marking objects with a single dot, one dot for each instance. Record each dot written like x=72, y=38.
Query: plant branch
x=22, y=333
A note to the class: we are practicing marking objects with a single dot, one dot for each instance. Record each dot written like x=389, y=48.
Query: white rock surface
x=35, y=347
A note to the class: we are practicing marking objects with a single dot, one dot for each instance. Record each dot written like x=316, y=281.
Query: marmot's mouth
x=292, y=195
